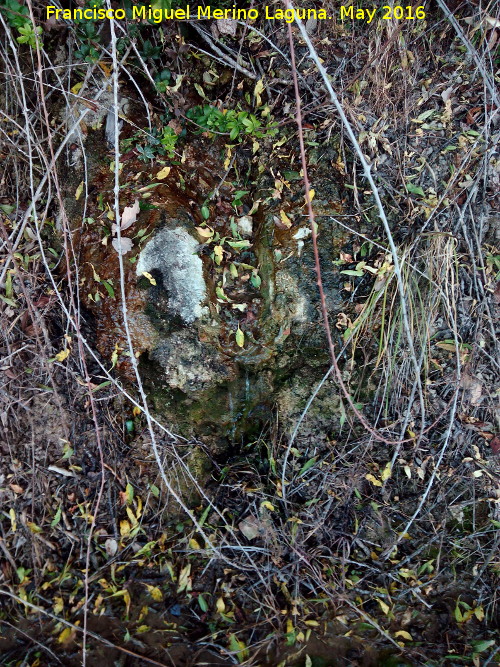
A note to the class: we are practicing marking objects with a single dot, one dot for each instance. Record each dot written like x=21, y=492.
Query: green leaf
x=129, y=490
x=351, y=272
x=483, y=645
x=238, y=647
x=415, y=189
x=239, y=244
x=307, y=465
x=109, y=288
x=205, y=212
x=205, y=514
x=102, y=385
x=255, y=280
x=220, y=293
x=57, y=517
x=203, y=603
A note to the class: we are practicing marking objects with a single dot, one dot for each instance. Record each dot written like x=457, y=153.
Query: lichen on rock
x=172, y=252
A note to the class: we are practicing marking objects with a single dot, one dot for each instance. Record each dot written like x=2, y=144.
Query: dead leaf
x=122, y=246
x=250, y=527
x=184, y=579
x=495, y=444
x=163, y=173
x=111, y=546
x=446, y=94
x=79, y=191
x=176, y=126
x=62, y=471
x=129, y=215
x=311, y=25
x=227, y=26
x=61, y=356
x=285, y=220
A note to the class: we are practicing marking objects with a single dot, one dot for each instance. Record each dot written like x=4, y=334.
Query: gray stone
x=172, y=252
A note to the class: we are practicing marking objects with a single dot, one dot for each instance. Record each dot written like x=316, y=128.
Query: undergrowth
x=294, y=542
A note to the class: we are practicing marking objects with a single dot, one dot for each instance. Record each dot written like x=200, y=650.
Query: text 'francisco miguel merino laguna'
x=147, y=12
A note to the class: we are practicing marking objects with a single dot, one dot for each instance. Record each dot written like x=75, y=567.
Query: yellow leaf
x=479, y=613
x=79, y=191
x=105, y=68
x=58, y=605
x=404, y=635
x=131, y=516
x=163, y=173
x=311, y=195
x=194, y=544
x=373, y=480
x=285, y=219
x=259, y=87
x=127, y=600
x=64, y=354
x=184, y=582
x=149, y=277
x=205, y=232
x=139, y=508
x=267, y=505
x=124, y=528
x=136, y=411
x=386, y=473
x=227, y=161
x=220, y=606
x=114, y=356
x=218, y=252
x=385, y=607
x=66, y=635
x=155, y=593
x=33, y=527
x=13, y=523
x=77, y=87
x=312, y=624
x=240, y=337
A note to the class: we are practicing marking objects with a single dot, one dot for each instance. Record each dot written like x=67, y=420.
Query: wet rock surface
x=187, y=298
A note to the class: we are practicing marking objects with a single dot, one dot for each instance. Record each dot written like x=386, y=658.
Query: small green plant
x=156, y=144
x=17, y=16
x=29, y=35
x=231, y=121
x=88, y=35
x=87, y=53
x=168, y=140
x=162, y=80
